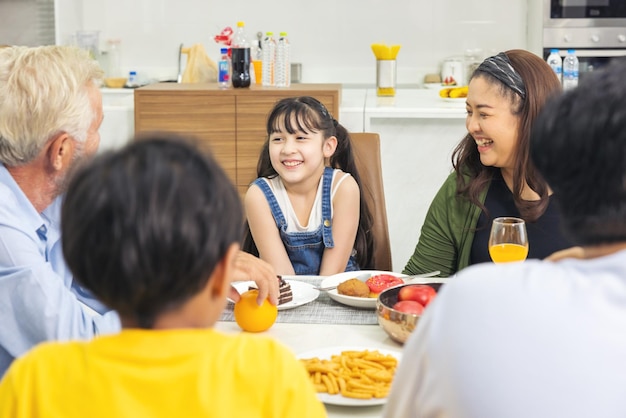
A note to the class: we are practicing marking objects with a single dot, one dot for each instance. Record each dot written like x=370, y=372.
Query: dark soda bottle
x=240, y=57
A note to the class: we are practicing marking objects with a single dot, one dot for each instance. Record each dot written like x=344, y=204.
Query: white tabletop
x=306, y=337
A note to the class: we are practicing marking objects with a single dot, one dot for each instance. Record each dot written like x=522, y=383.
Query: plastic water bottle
x=223, y=77
x=132, y=79
x=556, y=63
x=269, y=59
x=240, y=57
x=282, y=71
x=570, y=70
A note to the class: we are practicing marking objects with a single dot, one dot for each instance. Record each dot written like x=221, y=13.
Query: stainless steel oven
x=596, y=29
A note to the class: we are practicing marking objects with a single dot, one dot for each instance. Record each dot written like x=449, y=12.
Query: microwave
x=586, y=9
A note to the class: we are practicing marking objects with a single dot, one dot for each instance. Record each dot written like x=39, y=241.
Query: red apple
x=421, y=293
x=409, y=306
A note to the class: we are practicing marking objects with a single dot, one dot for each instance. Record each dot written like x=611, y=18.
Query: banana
x=453, y=92
x=445, y=92
x=458, y=92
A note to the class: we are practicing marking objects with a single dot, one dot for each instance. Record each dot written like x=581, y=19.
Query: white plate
x=354, y=301
x=326, y=354
x=303, y=293
x=459, y=100
x=434, y=86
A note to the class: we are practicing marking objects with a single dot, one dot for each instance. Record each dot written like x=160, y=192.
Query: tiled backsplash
x=330, y=38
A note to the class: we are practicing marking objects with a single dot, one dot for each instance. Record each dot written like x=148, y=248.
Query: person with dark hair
x=306, y=211
x=153, y=231
x=539, y=338
x=493, y=175
x=50, y=113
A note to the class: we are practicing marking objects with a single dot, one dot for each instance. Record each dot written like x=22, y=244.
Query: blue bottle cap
x=224, y=50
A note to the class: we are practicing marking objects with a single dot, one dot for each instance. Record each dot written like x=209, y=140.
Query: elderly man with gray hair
x=50, y=113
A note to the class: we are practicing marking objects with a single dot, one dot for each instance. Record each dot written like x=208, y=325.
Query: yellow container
x=386, y=77
x=385, y=68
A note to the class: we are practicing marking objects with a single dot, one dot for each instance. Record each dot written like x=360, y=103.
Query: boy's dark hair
x=311, y=115
x=579, y=144
x=144, y=227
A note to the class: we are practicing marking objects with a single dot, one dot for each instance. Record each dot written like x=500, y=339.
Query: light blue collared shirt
x=38, y=299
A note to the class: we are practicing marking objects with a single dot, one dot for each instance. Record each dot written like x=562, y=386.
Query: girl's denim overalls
x=305, y=249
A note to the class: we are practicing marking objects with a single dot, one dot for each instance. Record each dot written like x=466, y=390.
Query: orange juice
x=504, y=253
x=258, y=71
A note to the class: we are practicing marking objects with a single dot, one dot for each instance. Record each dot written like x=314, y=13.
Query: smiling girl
x=493, y=175
x=306, y=212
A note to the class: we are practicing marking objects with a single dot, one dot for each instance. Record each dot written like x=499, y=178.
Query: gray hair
x=43, y=92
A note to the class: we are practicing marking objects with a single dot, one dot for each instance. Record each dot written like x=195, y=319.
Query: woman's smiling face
x=492, y=123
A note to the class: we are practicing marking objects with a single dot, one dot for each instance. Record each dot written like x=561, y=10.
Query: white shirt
x=533, y=339
x=315, y=218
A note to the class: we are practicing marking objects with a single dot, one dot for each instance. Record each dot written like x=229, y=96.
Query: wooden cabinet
x=230, y=122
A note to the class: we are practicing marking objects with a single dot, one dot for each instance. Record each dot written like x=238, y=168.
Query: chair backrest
x=367, y=156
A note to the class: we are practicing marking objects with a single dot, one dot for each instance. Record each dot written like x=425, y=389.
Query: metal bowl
x=398, y=325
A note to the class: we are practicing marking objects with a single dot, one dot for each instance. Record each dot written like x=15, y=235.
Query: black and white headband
x=500, y=67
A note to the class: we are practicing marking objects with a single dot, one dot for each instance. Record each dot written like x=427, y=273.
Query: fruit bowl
x=398, y=325
x=115, y=82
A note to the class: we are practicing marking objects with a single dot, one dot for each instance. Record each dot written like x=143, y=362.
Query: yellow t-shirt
x=171, y=373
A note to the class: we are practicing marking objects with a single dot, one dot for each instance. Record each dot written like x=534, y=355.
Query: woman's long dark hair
x=541, y=83
x=310, y=115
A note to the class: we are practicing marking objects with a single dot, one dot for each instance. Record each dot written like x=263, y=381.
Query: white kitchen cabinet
x=118, y=125
x=415, y=156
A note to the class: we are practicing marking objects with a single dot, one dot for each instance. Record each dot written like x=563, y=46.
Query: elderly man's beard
x=62, y=181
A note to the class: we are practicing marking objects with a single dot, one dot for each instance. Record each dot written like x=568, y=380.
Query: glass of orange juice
x=508, y=240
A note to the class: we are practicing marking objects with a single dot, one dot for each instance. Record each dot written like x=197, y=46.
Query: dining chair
x=367, y=157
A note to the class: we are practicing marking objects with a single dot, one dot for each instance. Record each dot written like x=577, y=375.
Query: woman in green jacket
x=493, y=175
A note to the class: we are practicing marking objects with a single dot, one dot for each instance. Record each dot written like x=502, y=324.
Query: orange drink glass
x=508, y=240
x=258, y=71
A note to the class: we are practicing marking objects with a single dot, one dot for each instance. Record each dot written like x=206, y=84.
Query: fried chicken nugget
x=353, y=287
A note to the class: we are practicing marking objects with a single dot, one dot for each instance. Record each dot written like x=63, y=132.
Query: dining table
x=323, y=324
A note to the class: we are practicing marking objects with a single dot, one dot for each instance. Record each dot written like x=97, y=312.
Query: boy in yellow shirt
x=152, y=230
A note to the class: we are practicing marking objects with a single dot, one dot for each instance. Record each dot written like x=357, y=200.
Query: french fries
x=354, y=374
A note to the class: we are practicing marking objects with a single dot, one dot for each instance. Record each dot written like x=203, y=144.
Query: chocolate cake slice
x=286, y=295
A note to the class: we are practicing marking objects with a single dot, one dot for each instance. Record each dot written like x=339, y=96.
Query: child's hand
x=249, y=267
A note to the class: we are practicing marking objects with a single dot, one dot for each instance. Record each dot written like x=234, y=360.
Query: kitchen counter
x=360, y=105
x=418, y=103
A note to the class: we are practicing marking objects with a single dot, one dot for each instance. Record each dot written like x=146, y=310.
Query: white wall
x=331, y=38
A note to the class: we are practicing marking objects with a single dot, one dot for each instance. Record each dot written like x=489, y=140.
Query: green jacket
x=447, y=234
